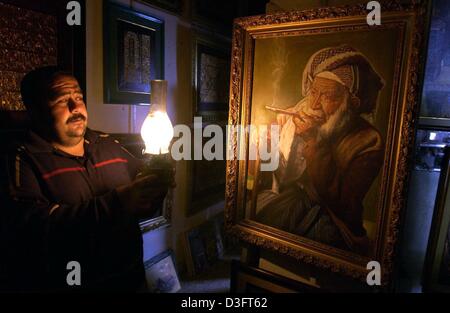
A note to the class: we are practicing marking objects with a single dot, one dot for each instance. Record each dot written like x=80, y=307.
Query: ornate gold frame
x=411, y=19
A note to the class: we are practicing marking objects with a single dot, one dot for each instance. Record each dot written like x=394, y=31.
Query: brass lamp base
x=160, y=165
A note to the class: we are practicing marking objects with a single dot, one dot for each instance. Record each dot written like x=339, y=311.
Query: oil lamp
x=157, y=133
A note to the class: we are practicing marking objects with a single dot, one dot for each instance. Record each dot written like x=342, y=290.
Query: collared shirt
x=61, y=208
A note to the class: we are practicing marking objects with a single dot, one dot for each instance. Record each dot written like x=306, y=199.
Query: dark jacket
x=60, y=208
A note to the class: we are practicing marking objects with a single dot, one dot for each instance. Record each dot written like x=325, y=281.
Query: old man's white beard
x=336, y=122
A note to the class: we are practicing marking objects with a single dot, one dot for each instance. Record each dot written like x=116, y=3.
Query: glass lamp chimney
x=157, y=130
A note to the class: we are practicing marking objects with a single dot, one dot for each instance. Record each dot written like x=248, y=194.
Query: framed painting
x=437, y=263
x=203, y=246
x=211, y=78
x=161, y=274
x=247, y=279
x=210, y=68
x=133, y=48
x=323, y=108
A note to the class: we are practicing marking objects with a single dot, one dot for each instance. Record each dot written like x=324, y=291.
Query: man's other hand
x=137, y=197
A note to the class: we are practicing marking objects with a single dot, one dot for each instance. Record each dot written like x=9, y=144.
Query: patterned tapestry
x=28, y=40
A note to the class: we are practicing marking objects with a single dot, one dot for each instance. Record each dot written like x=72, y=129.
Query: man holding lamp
x=72, y=195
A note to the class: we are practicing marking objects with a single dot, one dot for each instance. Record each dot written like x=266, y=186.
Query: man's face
x=326, y=96
x=325, y=100
x=67, y=109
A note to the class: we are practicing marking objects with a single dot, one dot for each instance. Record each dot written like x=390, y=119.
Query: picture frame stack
x=161, y=273
x=207, y=244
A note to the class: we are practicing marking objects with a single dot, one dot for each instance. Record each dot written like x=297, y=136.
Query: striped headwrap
x=348, y=67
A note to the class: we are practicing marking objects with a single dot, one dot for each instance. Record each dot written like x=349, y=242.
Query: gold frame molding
x=411, y=19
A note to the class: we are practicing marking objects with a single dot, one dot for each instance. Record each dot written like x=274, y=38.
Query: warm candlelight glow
x=157, y=130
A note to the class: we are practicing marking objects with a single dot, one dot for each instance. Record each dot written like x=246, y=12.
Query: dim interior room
x=211, y=59
x=179, y=35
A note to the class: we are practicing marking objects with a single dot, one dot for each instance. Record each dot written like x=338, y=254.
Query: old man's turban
x=348, y=67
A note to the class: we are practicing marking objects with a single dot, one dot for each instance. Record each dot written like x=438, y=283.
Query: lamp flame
x=157, y=130
x=157, y=133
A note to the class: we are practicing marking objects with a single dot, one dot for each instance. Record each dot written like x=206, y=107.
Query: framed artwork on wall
x=161, y=273
x=210, y=81
x=211, y=78
x=204, y=246
x=437, y=263
x=133, y=54
x=336, y=99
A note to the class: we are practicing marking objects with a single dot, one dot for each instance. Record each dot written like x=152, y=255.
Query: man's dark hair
x=35, y=84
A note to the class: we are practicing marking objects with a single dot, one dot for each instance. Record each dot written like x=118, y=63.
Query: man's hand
x=137, y=197
x=305, y=122
x=302, y=123
x=282, y=118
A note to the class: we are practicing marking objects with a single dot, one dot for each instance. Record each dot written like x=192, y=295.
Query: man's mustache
x=75, y=117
